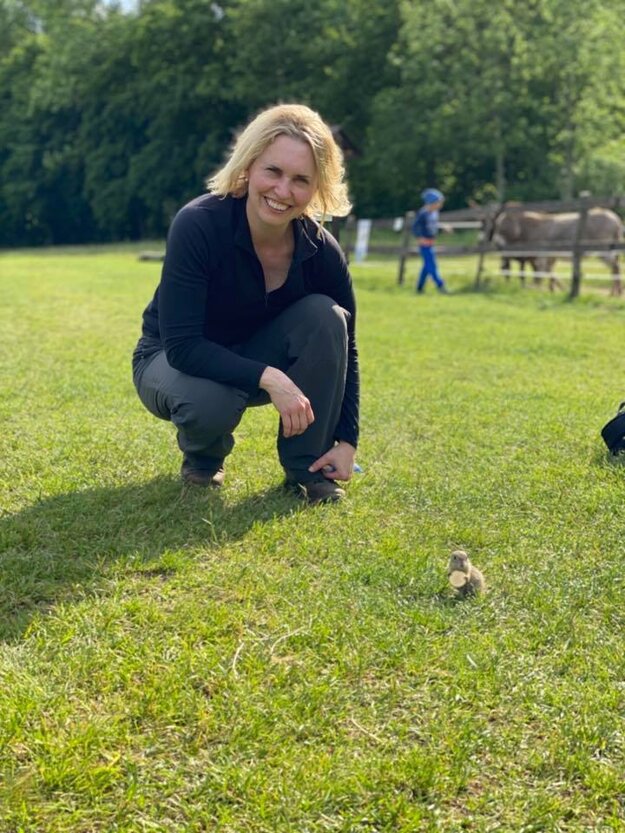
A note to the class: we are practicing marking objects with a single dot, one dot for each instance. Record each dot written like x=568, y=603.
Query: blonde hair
x=298, y=122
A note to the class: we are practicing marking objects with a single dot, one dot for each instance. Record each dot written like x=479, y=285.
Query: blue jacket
x=425, y=224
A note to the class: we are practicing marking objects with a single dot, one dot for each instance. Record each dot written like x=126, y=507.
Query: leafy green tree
x=41, y=197
x=362, y=35
x=495, y=101
x=109, y=121
x=132, y=112
x=582, y=52
x=332, y=55
x=15, y=23
x=184, y=100
x=463, y=101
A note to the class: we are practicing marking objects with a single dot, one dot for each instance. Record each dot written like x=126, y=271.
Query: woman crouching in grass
x=255, y=305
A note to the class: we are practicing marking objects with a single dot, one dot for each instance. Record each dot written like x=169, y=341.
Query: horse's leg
x=554, y=283
x=557, y=281
x=522, y=262
x=540, y=268
x=617, y=285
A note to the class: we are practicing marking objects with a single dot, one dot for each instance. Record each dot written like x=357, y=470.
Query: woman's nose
x=282, y=187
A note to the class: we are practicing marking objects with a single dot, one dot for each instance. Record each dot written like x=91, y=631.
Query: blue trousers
x=429, y=267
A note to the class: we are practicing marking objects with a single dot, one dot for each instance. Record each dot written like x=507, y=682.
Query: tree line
x=110, y=120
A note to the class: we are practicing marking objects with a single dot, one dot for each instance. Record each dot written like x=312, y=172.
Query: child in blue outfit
x=425, y=227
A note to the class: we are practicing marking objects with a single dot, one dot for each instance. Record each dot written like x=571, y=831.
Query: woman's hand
x=294, y=408
x=337, y=463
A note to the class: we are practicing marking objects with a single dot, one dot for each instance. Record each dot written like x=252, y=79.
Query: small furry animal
x=466, y=579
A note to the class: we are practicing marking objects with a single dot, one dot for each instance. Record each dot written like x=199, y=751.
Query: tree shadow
x=56, y=549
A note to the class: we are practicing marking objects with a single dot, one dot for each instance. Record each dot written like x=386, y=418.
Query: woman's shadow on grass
x=56, y=549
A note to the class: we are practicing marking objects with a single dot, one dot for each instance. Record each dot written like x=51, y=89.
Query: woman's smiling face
x=281, y=182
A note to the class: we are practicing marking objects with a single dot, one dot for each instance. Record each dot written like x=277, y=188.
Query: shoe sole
x=336, y=498
x=206, y=483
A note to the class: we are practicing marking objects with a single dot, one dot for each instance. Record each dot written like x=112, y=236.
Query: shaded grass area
x=181, y=661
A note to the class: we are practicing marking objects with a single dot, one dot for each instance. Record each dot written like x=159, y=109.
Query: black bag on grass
x=613, y=432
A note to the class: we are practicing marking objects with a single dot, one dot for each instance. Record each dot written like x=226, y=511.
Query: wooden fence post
x=487, y=230
x=576, y=277
x=405, y=245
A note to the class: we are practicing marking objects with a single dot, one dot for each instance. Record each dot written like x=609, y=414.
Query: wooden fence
x=483, y=218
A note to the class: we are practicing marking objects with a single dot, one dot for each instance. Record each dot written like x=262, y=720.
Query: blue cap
x=431, y=195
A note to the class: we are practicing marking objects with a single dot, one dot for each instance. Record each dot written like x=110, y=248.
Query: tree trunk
x=568, y=181
x=500, y=174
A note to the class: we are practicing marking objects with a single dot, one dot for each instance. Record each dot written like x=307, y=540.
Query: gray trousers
x=308, y=341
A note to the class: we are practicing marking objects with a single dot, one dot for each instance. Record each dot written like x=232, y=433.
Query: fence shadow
x=61, y=547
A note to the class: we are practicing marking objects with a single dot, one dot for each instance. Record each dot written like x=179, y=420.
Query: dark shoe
x=317, y=491
x=199, y=477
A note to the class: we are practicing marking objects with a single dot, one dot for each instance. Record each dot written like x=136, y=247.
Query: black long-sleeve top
x=212, y=296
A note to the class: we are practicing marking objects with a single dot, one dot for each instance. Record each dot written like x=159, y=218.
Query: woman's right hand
x=294, y=408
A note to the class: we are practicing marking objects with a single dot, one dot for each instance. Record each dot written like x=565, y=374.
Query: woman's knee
x=323, y=313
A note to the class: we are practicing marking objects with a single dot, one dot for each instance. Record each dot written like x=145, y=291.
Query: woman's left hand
x=337, y=463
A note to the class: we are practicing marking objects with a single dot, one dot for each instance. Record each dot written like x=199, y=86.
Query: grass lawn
x=236, y=662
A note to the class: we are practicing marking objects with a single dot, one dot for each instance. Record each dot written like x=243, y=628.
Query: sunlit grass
x=235, y=662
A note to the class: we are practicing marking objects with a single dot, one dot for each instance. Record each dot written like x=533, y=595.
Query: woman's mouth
x=275, y=205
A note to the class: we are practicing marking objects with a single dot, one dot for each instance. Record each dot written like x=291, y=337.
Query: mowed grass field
x=237, y=662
